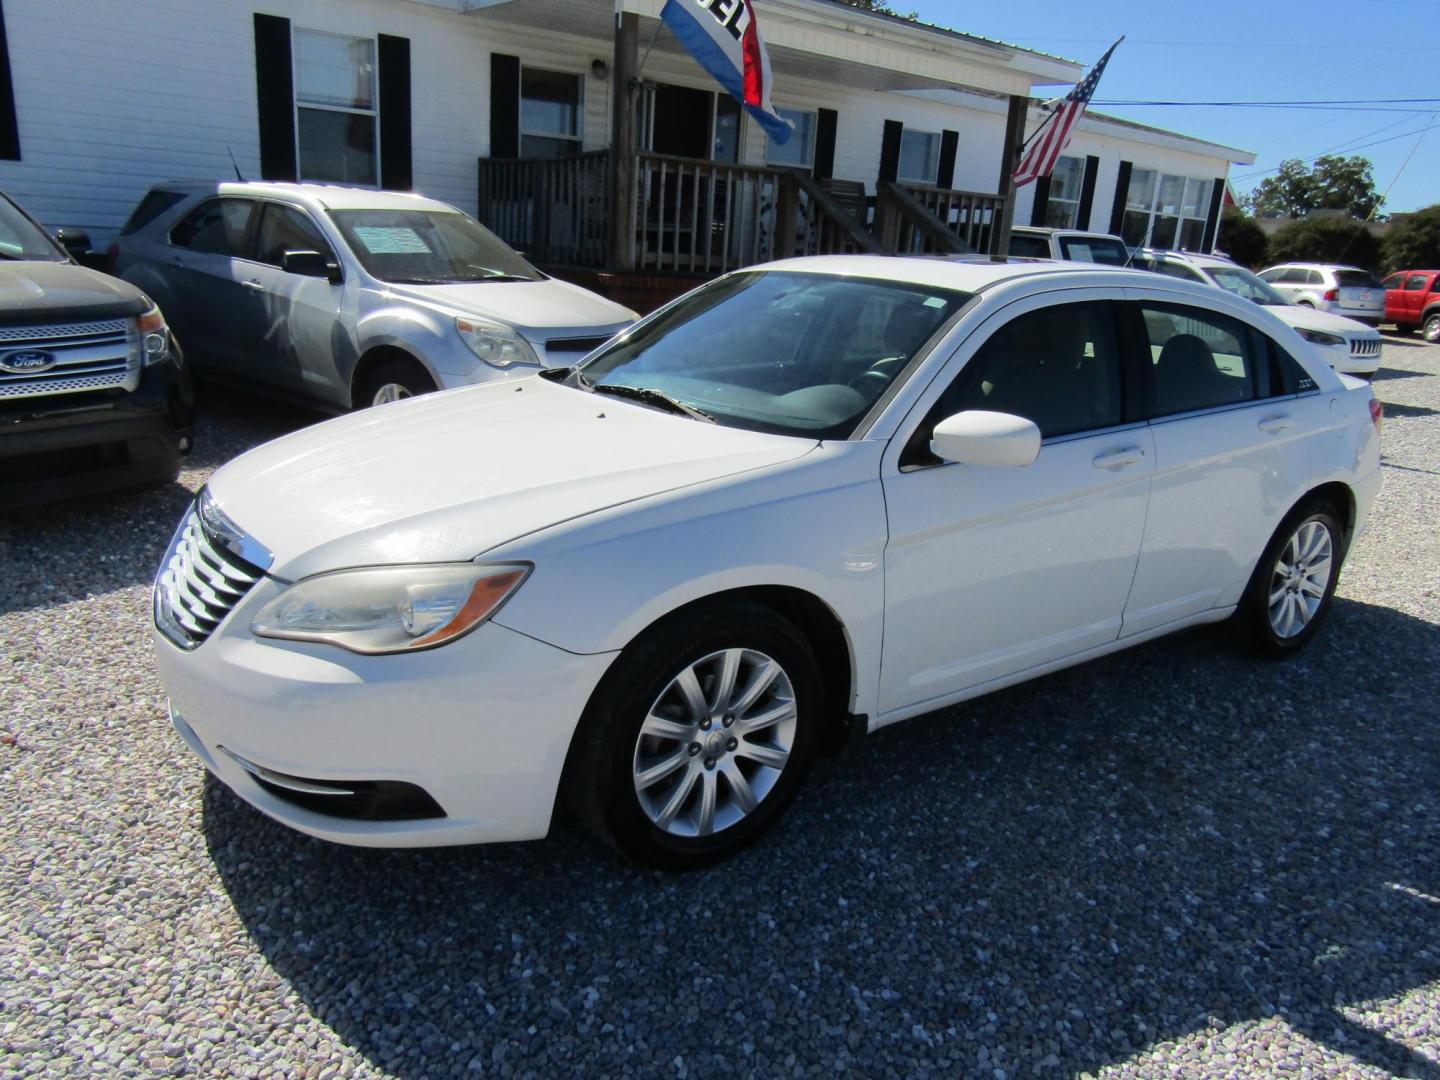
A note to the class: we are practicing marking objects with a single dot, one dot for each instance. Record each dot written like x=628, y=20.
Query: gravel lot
x=1176, y=860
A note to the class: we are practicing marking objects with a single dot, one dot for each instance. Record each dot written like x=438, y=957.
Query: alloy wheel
x=388, y=392
x=715, y=743
x=1432, y=329
x=1301, y=578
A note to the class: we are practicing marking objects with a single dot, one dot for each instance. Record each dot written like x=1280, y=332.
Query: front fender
x=425, y=335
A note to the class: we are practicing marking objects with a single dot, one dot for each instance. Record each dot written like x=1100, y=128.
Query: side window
x=1029, y=247
x=1436, y=287
x=1314, y=277
x=1394, y=281
x=1059, y=366
x=1417, y=283
x=1177, y=270
x=151, y=206
x=282, y=229
x=216, y=227
x=1201, y=360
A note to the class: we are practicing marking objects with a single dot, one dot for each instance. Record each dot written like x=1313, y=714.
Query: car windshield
x=1242, y=282
x=1357, y=279
x=429, y=247
x=21, y=238
x=1095, y=249
x=789, y=353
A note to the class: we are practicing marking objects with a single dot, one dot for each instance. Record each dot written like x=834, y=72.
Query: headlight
x=154, y=337
x=390, y=609
x=1315, y=337
x=497, y=345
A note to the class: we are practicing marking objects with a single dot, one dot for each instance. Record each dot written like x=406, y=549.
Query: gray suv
x=350, y=297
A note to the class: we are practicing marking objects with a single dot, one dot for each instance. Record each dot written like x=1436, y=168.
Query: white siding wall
x=112, y=98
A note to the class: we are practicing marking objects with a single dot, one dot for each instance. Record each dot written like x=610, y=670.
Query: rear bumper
x=76, y=444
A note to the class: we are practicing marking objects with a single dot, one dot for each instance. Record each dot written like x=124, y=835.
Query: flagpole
x=1056, y=112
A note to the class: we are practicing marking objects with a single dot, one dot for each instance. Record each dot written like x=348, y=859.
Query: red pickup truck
x=1412, y=299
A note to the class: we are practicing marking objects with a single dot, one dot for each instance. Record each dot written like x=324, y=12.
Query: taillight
x=1332, y=295
x=1377, y=413
x=112, y=255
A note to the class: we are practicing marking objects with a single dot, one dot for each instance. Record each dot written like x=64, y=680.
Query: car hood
x=449, y=476
x=53, y=292
x=540, y=310
x=1320, y=321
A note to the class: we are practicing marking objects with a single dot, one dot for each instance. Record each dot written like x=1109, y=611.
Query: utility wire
x=1352, y=149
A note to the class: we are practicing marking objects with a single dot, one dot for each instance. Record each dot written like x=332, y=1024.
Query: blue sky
x=1230, y=51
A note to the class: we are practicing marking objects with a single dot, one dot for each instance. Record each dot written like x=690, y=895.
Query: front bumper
x=481, y=726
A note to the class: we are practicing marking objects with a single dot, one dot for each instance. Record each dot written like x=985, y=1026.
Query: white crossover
x=807, y=500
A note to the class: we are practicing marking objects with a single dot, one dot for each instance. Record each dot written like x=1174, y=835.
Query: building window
x=919, y=156
x=335, y=107
x=726, y=144
x=1063, y=209
x=1166, y=212
x=550, y=112
x=799, y=151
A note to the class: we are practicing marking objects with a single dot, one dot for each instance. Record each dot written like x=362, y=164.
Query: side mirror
x=996, y=439
x=76, y=242
x=310, y=264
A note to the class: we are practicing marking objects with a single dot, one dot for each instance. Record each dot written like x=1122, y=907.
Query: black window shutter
x=1087, y=191
x=1212, y=223
x=1122, y=193
x=504, y=106
x=394, y=56
x=825, y=125
x=9, y=124
x=890, y=151
x=949, y=144
x=1042, y=201
x=275, y=95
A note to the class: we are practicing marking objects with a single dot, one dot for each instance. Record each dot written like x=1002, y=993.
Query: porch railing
x=974, y=217
x=555, y=210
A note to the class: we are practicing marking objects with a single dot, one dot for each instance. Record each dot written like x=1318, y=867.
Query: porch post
x=1009, y=159
x=622, y=141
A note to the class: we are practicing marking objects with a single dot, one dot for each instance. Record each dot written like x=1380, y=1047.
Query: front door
x=993, y=571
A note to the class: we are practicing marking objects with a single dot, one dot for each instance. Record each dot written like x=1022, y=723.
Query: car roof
x=1038, y=230
x=318, y=196
x=1317, y=266
x=960, y=273
x=1195, y=258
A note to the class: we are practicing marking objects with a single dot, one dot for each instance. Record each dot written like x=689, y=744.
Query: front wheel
x=1293, y=588
x=1432, y=328
x=699, y=737
x=393, y=380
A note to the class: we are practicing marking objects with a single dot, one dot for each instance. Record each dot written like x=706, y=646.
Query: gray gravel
x=1173, y=861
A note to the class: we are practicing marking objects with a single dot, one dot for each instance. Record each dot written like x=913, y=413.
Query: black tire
x=599, y=776
x=400, y=372
x=1252, y=620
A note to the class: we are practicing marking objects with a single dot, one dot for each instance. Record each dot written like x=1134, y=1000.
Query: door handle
x=1273, y=425
x=253, y=284
x=1118, y=459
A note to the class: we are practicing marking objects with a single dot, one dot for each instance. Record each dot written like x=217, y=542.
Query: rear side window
x=1313, y=277
x=282, y=229
x=1356, y=279
x=1177, y=270
x=1417, y=282
x=1095, y=250
x=1394, y=281
x=1059, y=366
x=1029, y=247
x=151, y=206
x=1201, y=360
x=215, y=227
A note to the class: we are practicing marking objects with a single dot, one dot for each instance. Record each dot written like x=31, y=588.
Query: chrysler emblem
x=27, y=362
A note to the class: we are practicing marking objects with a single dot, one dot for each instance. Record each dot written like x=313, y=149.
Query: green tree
x=882, y=8
x=1242, y=239
x=1326, y=240
x=1335, y=183
x=1414, y=242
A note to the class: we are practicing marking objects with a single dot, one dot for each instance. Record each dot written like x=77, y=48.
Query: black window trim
x=252, y=245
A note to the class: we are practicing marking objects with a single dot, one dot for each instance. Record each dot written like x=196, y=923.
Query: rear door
x=207, y=250
x=1230, y=457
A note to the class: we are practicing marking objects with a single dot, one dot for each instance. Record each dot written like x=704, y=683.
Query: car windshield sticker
x=935, y=302
x=385, y=240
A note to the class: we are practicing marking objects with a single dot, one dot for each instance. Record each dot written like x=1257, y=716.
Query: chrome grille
x=199, y=583
x=87, y=356
x=1365, y=347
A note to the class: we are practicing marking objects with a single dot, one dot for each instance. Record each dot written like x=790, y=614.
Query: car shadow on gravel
x=1055, y=877
x=1385, y=374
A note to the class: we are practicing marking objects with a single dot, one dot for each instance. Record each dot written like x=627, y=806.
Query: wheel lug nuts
x=729, y=721
x=694, y=748
x=709, y=763
x=732, y=744
x=705, y=724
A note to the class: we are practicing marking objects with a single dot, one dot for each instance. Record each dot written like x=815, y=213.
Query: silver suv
x=350, y=297
x=1340, y=290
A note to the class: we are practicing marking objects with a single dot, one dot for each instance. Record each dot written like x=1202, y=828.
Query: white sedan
x=807, y=500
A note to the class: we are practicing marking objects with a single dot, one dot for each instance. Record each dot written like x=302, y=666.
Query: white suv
x=1342, y=290
x=1069, y=245
x=1348, y=346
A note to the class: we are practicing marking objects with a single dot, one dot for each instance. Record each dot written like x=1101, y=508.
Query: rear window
x=1356, y=279
x=1029, y=247
x=1094, y=249
x=151, y=206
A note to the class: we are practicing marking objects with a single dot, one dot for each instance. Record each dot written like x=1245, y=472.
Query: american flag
x=1047, y=144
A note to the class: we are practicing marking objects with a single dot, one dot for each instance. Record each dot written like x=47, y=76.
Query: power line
x=1352, y=149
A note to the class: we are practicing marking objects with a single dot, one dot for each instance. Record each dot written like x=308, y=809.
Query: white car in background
x=808, y=499
x=1348, y=346
x=1341, y=290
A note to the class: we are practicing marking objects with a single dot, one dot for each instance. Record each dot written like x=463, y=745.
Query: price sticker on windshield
x=388, y=240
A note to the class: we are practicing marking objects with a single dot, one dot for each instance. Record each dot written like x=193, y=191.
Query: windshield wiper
x=648, y=395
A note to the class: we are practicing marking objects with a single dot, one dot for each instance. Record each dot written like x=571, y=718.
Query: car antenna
x=236, y=165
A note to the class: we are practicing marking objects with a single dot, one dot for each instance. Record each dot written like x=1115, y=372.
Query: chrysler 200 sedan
x=807, y=500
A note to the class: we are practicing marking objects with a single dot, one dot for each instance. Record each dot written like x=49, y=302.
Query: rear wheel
x=1292, y=589
x=393, y=380
x=1432, y=328
x=699, y=737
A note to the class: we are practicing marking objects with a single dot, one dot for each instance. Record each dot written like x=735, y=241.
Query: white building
x=100, y=100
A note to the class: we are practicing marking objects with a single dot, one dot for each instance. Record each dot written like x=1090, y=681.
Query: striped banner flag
x=1050, y=140
x=724, y=38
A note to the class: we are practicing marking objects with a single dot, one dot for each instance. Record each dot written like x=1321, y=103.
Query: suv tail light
x=112, y=254
x=1332, y=295
x=1377, y=413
